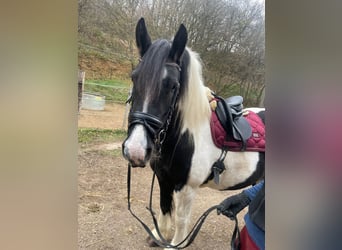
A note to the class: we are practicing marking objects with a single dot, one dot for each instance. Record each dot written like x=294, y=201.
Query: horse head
x=157, y=81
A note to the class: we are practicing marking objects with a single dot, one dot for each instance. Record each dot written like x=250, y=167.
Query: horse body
x=169, y=71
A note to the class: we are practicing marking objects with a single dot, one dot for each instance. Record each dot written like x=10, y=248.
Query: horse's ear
x=142, y=37
x=178, y=44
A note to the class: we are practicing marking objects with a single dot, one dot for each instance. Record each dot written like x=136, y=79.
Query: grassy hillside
x=97, y=66
x=105, y=73
x=114, y=90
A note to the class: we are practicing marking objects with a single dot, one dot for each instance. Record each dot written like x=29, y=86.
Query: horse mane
x=194, y=104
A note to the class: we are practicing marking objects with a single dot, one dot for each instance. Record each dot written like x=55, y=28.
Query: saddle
x=230, y=114
x=233, y=129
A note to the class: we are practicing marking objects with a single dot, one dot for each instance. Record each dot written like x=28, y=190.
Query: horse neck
x=193, y=106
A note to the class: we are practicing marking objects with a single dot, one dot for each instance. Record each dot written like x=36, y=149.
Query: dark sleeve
x=256, y=208
x=254, y=190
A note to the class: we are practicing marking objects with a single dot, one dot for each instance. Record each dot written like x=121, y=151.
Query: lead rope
x=235, y=242
x=129, y=206
x=162, y=242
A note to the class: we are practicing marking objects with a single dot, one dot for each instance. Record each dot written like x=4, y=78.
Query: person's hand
x=231, y=206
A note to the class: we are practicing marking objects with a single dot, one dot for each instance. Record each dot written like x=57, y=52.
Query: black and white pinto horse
x=169, y=127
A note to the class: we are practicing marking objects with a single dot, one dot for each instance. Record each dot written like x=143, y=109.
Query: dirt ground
x=103, y=219
x=112, y=117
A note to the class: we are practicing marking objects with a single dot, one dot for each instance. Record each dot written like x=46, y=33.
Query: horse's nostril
x=125, y=152
x=148, y=151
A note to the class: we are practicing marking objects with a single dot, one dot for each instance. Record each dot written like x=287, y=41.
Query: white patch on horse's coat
x=183, y=203
x=164, y=224
x=194, y=105
x=239, y=165
x=145, y=105
x=205, y=153
x=164, y=75
x=136, y=144
x=244, y=164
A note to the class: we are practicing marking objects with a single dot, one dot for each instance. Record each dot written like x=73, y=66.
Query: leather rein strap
x=194, y=231
x=235, y=241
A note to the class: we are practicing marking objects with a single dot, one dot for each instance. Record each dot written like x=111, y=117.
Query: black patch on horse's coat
x=173, y=167
x=178, y=148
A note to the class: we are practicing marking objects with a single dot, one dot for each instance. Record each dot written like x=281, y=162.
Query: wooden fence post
x=81, y=77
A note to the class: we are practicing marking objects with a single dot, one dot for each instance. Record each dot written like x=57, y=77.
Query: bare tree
x=228, y=35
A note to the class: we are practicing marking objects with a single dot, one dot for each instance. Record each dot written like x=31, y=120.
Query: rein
x=163, y=242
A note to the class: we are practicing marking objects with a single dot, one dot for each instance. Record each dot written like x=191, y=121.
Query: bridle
x=156, y=128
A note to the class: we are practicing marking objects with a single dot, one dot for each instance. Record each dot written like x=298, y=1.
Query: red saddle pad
x=256, y=142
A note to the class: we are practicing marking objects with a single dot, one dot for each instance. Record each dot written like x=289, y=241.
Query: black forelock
x=151, y=65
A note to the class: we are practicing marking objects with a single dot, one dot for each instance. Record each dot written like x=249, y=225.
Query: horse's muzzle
x=137, y=147
x=134, y=160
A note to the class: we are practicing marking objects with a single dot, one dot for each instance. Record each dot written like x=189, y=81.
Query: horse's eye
x=175, y=86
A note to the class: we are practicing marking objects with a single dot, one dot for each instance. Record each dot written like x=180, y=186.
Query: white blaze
x=136, y=144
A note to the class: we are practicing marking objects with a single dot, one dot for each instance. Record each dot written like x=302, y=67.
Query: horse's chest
x=205, y=154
